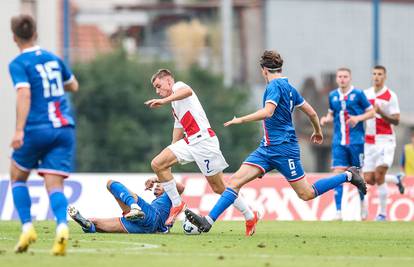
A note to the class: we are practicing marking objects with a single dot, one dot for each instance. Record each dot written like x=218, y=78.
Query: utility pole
x=376, y=32
x=66, y=32
x=226, y=24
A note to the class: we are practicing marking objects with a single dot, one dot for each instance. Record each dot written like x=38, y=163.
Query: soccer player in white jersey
x=380, y=138
x=193, y=140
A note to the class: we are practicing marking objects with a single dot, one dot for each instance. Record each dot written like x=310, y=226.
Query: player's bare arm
x=178, y=134
x=328, y=118
x=22, y=111
x=393, y=118
x=259, y=115
x=72, y=86
x=179, y=94
x=354, y=120
x=317, y=136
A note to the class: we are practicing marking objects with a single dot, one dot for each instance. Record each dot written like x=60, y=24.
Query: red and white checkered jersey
x=190, y=115
x=377, y=129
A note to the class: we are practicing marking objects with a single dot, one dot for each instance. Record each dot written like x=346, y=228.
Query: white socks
x=26, y=226
x=391, y=178
x=170, y=188
x=382, y=194
x=241, y=206
x=61, y=226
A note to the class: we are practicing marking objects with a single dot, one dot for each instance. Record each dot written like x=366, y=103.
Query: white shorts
x=376, y=155
x=206, y=154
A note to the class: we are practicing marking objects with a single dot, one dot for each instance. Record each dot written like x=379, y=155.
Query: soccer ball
x=189, y=228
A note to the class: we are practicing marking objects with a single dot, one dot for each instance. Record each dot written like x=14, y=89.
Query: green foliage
x=116, y=132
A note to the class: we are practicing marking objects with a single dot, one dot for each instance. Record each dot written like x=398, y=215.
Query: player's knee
x=306, y=195
x=108, y=184
x=217, y=188
x=157, y=165
x=370, y=181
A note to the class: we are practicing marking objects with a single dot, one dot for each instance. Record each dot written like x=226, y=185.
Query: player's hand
x=324, y=120
x=317, y=138
x=155, y=103
x=17, y=140
x=377, y=109
x=233, y=121
x=352, y=121
x=149, y=184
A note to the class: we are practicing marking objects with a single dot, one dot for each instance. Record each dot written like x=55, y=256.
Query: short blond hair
x=161, y=73
x=344, y=69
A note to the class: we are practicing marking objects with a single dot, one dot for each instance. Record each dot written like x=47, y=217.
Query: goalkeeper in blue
x=279, y=148
x=138, y=216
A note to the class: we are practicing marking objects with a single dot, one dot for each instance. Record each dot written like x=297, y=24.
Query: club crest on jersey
x=352, y=97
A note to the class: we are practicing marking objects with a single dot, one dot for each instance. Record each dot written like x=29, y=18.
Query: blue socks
x=59, y=204
x=338, y=196
x=22, y=201
x=226, y=199
x=323, y=185
x=121, y=192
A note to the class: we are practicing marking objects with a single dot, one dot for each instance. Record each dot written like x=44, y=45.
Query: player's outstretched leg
x=22, y=203
x=119, y=191
x=397, y=180
x=87, y=225
x=357, y=180
x=199, y=221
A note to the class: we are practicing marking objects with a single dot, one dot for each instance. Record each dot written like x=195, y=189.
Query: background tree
x=118, y=133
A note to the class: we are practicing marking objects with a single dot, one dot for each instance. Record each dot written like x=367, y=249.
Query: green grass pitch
x=274, y=244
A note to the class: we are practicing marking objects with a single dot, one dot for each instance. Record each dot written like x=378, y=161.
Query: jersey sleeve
x=366, y=105
x=272, y=94
x=67, y=74
x=394, y=106
x=18, y=75
x=298, y=98
x=178, y=85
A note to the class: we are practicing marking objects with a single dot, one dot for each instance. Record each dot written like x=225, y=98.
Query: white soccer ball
x=189, y=228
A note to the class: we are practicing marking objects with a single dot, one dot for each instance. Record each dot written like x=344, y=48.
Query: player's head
x=271, y=62
x=24, y=29
x=379, y=75
x=163, y=82
x=343, y=77
x=158, y=190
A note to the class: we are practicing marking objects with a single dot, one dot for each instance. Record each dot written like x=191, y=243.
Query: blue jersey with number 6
x=45, y=74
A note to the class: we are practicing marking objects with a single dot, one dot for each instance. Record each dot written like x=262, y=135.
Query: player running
x=138, y=216
x=380, y=139
x=279, y=148
x=44, y=137
x=193, y=140
x=348, y=108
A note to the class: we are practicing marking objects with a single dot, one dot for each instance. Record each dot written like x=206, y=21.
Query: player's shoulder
x=392, y=93
x=358, y=91
x=178, y=85
x=334, y=93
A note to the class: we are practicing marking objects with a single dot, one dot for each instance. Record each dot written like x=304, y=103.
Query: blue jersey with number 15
x=45, y=74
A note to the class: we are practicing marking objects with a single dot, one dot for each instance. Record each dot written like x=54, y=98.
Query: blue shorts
x=50, y=151
x=344, y=156
x=150, y=223
x=284, y=157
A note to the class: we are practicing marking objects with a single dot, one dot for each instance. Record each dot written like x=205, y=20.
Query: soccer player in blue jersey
x=348, y=108
x=279, y=148
x=150, y=220
x=44, y=137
